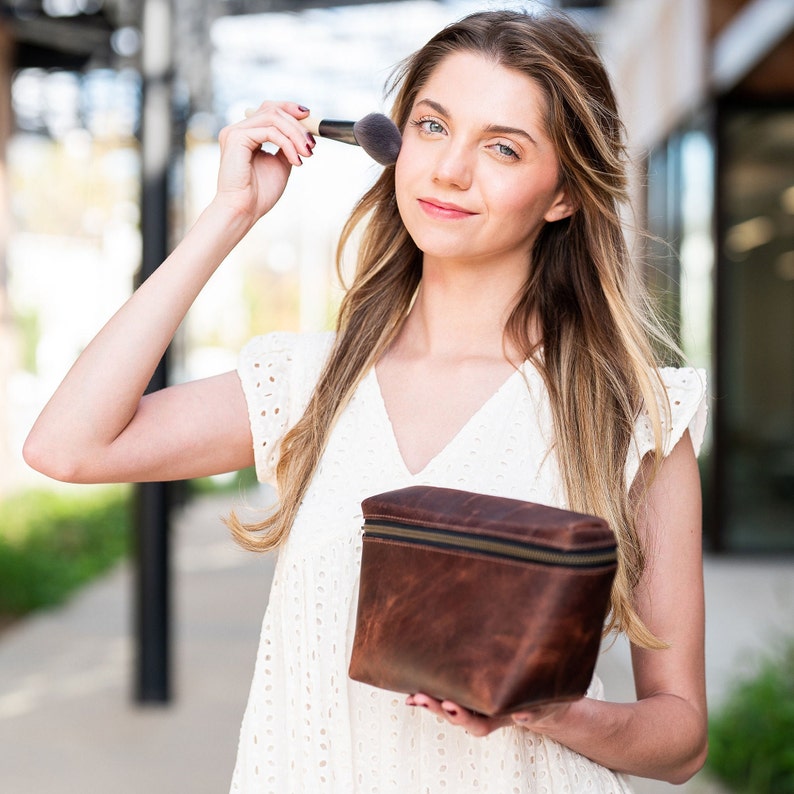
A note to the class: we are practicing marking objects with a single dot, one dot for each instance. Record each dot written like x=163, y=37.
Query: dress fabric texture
x=307, y=727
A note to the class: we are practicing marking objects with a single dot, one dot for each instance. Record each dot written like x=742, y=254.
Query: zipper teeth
x=492, y=546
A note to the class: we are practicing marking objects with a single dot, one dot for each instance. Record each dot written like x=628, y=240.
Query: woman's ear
x=563, y=206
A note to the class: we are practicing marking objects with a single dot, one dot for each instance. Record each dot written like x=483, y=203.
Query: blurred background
x=109, y=114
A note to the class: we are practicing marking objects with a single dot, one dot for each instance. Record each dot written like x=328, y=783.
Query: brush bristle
x=379, y=137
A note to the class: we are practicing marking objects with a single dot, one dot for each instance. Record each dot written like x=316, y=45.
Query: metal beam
x=77, y=36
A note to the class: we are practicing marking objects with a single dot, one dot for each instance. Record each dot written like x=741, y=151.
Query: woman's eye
x=505, y=150
x=429, y=126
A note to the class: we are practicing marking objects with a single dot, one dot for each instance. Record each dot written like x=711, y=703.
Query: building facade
x=707, y=89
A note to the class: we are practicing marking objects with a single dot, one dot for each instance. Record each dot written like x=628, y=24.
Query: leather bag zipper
x=507, y=549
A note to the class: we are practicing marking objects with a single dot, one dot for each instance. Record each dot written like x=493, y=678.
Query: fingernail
x=310, y=139
x=451, y=712
x=305, y=110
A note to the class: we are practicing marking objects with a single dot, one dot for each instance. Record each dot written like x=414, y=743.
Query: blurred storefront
x=59, y=61
x=707, y=87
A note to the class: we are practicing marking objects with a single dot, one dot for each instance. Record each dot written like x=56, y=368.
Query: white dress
x=309, y=729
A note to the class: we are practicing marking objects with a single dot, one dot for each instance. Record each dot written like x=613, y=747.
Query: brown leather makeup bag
x=495, y=604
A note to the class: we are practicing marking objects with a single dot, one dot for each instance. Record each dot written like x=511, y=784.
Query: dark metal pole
x=153, y=618
x=153, y=598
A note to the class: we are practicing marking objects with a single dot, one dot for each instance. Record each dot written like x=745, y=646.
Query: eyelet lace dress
x=309, y=729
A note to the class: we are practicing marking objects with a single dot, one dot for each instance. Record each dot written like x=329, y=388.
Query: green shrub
x=751, y=736
x=52, y=542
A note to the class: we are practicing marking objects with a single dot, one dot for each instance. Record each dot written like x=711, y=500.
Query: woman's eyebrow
x=440, y=109
x=500, y=129
x=493, y=129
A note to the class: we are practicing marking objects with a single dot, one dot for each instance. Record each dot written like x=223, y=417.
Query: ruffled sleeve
x=278, y=372
x=688, y=407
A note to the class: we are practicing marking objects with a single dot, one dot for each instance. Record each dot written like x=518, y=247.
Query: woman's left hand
x=471, y=722
x=479, y=724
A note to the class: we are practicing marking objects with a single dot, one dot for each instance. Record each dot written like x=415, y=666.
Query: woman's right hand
x=250, y=179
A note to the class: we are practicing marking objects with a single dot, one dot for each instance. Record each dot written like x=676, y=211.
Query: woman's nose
x=454, y=166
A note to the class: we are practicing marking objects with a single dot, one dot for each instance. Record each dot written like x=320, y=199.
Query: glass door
x=755, y=330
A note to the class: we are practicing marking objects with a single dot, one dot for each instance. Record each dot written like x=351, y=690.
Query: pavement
x=68, y=723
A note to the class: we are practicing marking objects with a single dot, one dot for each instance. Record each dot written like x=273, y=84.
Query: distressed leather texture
x=493, y=635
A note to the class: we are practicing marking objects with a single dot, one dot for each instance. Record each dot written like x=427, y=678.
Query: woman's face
x=477, y=176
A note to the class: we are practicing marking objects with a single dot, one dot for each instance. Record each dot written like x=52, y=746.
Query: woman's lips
x=443, y=209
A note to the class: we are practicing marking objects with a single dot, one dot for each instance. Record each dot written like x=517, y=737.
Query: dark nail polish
x=305, y=110
x=310, y=139
x=451, y=712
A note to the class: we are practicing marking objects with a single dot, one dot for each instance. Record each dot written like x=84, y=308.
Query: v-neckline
x=394, y=441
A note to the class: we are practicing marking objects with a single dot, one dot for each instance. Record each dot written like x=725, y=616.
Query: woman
x=489, y=342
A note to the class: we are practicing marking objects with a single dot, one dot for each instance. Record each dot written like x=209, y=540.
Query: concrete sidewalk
x=67, y=720
x=68, y=724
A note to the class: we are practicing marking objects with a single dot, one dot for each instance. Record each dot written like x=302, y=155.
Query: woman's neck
x=460, y=314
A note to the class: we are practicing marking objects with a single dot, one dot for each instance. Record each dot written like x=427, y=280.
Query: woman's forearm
x=662, y=737
x=101, y=393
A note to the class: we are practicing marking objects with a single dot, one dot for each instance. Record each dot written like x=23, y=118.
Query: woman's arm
x=98, y=426
x=664, y=734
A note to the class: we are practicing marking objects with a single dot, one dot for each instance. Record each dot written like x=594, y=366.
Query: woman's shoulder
x=278, y=372
x=283, y=362
x=682, y=402
x=682, y=397
x=288, y=345
x=688, y=380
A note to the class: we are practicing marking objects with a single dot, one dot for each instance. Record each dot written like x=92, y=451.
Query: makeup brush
x=376, y=134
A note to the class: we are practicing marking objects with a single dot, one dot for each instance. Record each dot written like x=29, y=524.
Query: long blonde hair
x=597, y=359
